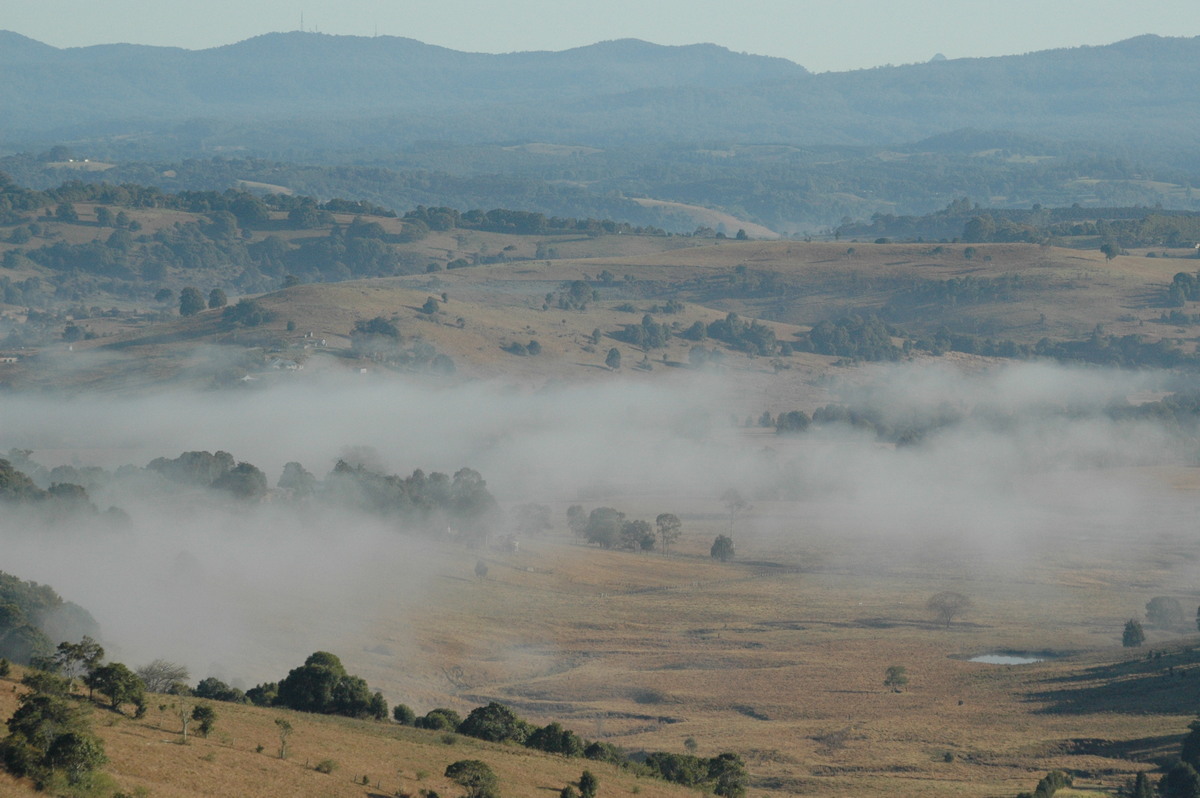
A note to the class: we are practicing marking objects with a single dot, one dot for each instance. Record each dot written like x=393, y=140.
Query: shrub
x=325, y=766
x=404, y=715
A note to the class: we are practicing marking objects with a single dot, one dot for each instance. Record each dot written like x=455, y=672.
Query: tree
x=735, y=503
x=245, y=481
x=946, y=605
x=476, y=776
x=48, y=735
x=1181, y=781
x=577, y=522
x=495, y=723
x=285, y=731
x=206, y=717
x=115, y=680
x=588, y=784
x=637, y=535
x=191, y=301
x=481, y=569
x=217, y=299
x=613, y=359
x=604, y=527
x=1110, y=250
x=722, y=548
x=1134, y=635
x=669, y=529
x=1190, y=752
x=439, y=719
x=896, y=677
x=160, y=676
x=554, y=739
x=76, y=659
x=1164, y=612
x=216, y=690
x=430, y=307
x=403, y=714
x=185, y=720
x=727, y=771
x=1142, y=788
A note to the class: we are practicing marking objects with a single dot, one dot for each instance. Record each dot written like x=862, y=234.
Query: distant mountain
x=308, y=75
x=295, y=92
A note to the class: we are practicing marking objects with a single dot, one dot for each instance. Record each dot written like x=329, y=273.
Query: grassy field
x=779, y=656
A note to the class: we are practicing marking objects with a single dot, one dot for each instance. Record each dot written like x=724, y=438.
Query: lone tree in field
x=669, y=527
x=722, y=548
x=613, y=359
x=1133, y=636
x=285, y=731
x=1164, y=612
x=476, y=776
x=588, y=784
x=735, y=503
x=896, y=678
x=946, y=605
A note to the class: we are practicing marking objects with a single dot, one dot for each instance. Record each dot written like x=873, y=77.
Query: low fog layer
x=243, y=590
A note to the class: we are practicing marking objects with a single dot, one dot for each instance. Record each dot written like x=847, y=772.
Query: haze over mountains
x=399, y=91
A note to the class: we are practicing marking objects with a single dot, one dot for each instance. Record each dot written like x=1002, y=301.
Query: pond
x=1007, y=658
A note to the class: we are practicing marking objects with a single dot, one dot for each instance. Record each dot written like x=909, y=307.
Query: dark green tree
x=589, y=785
x=727, y=772
x=496, y=723
x=205, y=717
x=439, y=719
x=115, y=680
x=722, y=548
x=1142, y=788
x=554, y=739
x=1191, y=745
x=403, y=714
x=1181, y=781
x=217, y=299
x=1133, y=636
x=475, y=776
x=613, y=359
x=191, y=301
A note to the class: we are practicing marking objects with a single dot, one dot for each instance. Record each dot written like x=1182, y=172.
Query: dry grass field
x=779, y=656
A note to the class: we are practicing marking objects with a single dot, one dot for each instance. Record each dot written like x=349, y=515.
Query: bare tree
x=736, y=503
x=946, y=605
x=160, y=676
x=185, y=717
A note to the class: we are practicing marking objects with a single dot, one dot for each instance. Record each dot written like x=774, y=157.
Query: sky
x=822, y=35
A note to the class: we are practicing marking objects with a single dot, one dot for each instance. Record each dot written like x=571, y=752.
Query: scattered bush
x=326, y=766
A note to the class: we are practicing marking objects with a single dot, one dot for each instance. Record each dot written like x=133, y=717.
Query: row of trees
x=724, y=774
x=610, y=529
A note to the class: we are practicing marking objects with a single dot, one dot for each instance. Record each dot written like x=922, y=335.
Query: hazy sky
x=822, y=35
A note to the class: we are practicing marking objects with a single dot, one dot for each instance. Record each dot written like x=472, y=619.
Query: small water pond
x=1010, y=658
